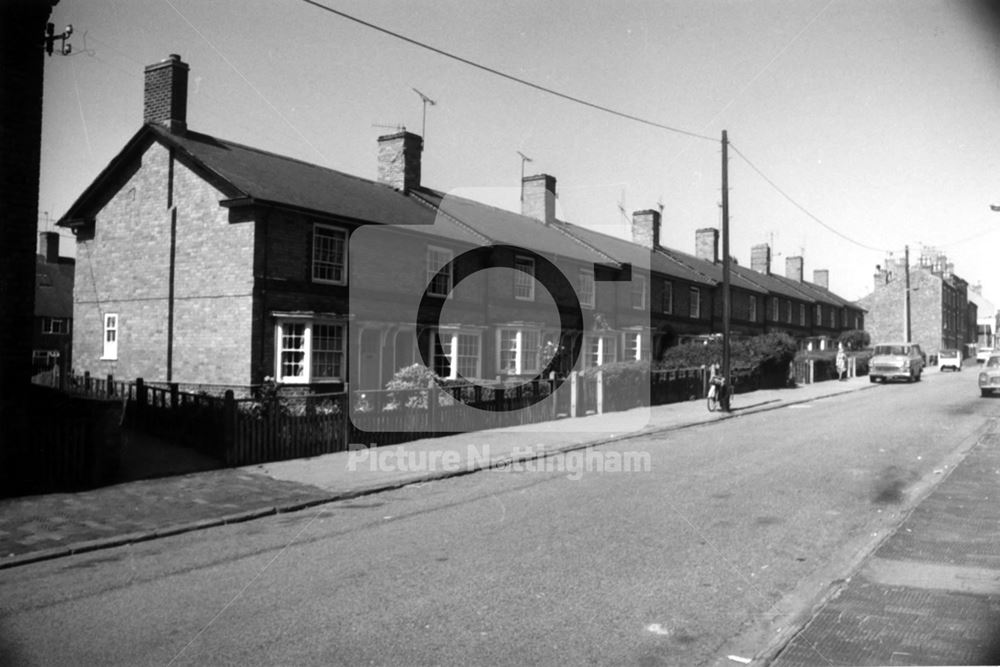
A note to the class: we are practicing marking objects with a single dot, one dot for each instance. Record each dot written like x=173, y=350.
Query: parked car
x=949, y=359
x=984, y=354
x=989, y=376
x=896, y=361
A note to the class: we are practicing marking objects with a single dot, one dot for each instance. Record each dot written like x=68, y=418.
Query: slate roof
x=246, y=174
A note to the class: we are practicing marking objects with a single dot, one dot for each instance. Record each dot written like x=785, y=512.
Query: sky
x=857, y=127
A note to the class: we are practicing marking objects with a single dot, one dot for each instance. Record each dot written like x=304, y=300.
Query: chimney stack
x=399, y=160
x=538, y=197
x=821, y=277
x=646, y=228
x=706, y=244
x=165, y=101
x=793, y=268
x=760, y=258
x=50, y=246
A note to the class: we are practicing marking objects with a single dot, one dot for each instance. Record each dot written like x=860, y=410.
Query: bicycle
x=718, y=389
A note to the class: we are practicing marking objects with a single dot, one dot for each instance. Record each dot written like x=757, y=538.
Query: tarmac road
x=734, y=528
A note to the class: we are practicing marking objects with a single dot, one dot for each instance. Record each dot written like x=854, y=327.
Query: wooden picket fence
x=244, y=431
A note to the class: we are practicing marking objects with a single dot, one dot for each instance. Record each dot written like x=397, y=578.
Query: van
x=896, y=361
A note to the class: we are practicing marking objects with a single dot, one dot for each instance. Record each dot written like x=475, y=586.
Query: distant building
x=940, y=312
x=988, y=318
x=53, y=326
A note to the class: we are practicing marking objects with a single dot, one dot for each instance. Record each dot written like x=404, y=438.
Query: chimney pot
x=50, y=246
x=760, y=258
x=165, y=101
x=793, y=268
x=399, y=157
x=707, y=244
x=538, y=198
x=646, y=228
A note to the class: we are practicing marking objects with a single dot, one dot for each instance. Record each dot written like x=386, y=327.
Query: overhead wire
x=509, y=77
x=799, y=206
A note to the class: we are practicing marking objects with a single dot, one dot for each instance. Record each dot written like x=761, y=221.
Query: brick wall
x=124, y=267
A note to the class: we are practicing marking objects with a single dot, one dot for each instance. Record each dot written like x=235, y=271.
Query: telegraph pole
x=726, y=305
x=907, y=302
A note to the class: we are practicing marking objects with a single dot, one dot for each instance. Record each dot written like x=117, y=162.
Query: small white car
x=989, y=376
x=983, y=354
x=949, y=359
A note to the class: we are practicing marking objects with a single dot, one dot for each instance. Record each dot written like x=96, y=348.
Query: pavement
x=930, y=594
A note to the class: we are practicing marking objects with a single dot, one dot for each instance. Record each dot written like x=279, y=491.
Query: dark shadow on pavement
x=147, y=457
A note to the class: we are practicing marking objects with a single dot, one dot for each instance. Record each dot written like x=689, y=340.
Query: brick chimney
x=706, y=244
x=646, y=228
x=538, y=197
x=165, y=101
x=760, y=258
x=793, y=268
x=399, y=160
x=49, y=246
x=821, y=277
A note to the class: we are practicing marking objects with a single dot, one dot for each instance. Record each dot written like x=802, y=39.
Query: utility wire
x=509, y=77
x=800, y=206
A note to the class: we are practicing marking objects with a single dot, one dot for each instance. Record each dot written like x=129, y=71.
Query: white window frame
x=694, y=305
x=638, y=288
x=525, y=357
x=819, y=315
x=524, y=278
x=753, y=308
x=587, y=288
x=451, y=340
x=436, y=259
x=308, y=375
x=635, y=346
x=802, y=314
x=605, y=351
x=111, y=331
x=775, y=309
x=667, y=299
x=319, y=230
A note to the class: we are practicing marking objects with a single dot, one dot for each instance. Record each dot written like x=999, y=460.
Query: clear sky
x=877, y=117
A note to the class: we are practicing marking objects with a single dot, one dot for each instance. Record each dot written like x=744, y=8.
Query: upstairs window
x=667, y=299
x=439, y=274
x=639, y=293
x=585, y=288
x=753, y=308
x=694, y=307
x=329, y=261
x=524, y=278
x=55, y=325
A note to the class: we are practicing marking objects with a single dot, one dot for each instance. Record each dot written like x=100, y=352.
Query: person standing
x=841, y=362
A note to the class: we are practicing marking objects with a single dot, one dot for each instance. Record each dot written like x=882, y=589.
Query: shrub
x=766, y=357
x=626, y=383
x=855, y=339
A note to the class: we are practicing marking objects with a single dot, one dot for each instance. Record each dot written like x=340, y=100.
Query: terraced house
x=208, y=262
